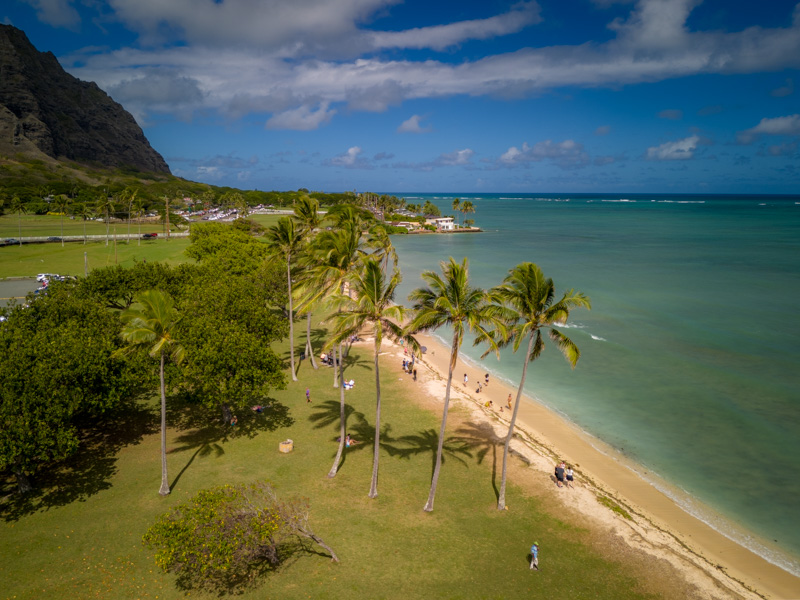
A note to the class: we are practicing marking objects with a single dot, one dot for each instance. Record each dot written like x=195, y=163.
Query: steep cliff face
x=44, y=108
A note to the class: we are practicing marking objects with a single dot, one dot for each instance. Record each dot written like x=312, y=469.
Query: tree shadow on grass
x=204, y=431
x=482, y=436
x=427, y=441
x=87, y=472
x=327, y=414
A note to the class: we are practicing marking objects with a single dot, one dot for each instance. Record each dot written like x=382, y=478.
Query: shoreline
x=704, y=557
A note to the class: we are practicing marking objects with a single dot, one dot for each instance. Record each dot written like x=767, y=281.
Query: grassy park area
x=79, y=534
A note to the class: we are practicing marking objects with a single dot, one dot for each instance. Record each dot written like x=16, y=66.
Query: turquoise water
x=691, y=349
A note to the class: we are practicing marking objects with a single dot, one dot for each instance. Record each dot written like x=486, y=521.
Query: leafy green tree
x=55, y=372
x=526, y=303
x=449, y=300
x=223, y=538
x=284, y=240
x=151, y=324
x=230, y=363
x=469, y=222
x=430, y=209
x=372, y=304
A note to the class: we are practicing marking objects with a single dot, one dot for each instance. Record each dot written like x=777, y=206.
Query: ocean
x=690, y=353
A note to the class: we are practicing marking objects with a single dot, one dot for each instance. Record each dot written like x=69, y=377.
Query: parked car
x=10, y=242
x=42, y=276
x=54, y=238
x=149, y=236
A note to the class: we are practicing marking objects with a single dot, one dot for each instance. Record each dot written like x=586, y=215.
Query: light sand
x=711, y=565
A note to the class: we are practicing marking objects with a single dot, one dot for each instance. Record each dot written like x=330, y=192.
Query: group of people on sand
x=564, y=475
x=408, y=367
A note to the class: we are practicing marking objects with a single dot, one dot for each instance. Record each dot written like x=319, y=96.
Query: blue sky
x=448, y=96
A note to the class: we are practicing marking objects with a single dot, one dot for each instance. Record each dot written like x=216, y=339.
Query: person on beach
x=466, y=379
x=308, y=394
x=560, y=474
x=570, y=475
x=535, y=556
x=415, y=374
x=509, y=402
x=487, y=379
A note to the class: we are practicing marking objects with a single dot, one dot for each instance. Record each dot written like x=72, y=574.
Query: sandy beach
x=709, y=564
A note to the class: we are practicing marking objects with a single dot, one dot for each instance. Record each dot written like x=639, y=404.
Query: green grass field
x=79, y=535
x=84, y=538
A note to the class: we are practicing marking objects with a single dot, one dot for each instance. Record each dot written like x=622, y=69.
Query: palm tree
x=84, y=211
x=467, y=207
x=62, y=203
x=284, y=239
x=449, y=300
x=457, y=205
x=308, y=219
x=382, y=246
x=372, y=304
x=129, y=196
x=105, y=205
x=137, y=206
x=526, y=304
x=151, y=323
x=18, y=206
x=338, y=254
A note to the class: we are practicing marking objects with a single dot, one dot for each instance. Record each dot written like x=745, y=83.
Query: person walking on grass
x=308, y=394
x=535, y=556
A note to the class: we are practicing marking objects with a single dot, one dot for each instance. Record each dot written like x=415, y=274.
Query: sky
x=548, y=96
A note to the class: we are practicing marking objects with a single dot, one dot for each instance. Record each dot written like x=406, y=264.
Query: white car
x=42, y=276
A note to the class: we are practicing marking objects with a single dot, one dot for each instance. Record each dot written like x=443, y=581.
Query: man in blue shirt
x=535, y=556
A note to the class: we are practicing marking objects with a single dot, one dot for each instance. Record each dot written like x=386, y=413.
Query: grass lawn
x=81, y=536
x=29, y=259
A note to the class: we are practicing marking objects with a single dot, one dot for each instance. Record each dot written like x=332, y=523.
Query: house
x=441, y=223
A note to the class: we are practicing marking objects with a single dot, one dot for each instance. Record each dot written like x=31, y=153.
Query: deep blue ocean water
x=691, y=353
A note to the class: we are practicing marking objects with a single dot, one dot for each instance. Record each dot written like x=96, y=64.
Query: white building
x=442, y=223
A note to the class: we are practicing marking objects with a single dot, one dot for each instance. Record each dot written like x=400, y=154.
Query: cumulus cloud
x=290, y=56
x=568, y=154
x=412, y=125
x=448, y=159
x=671, y=114
x=789, y=125
x=351, y=159
x=303, y=118
x=679, y=150
x=58, y=13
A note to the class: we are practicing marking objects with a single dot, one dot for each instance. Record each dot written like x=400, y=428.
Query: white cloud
x=302, y=118
x=280, y=57
x=440, y=37
x=459, y=157
x=567, y=154
x=58, y=13
x=678, y=150
x=789, y=125
x=412, y=125
x=351, y=159
x=603, y=130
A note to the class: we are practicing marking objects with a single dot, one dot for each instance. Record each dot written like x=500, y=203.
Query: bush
x=225, y=537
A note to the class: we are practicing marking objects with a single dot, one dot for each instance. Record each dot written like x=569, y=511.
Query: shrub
x=225, y=537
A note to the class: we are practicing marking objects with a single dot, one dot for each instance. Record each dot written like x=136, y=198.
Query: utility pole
x=166, y=198
x=85, y=264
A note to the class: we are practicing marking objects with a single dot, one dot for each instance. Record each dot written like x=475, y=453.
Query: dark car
x=149, y=236
x=10, y=242
x=54, y=238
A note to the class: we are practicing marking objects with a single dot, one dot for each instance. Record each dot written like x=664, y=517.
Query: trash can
x=286, y=446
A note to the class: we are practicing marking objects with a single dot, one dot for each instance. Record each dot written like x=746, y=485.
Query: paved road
x=16, y=288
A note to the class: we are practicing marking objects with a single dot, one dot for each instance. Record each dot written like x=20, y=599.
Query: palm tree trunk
x=309, y=347
x=62, y=230
x=291, y=315
x=84, y=231
x=335, y=367
x=501, y=499
x=373, y=490
x=438, y=467
x=342, y=432
x=164, y=479
x=108, y=225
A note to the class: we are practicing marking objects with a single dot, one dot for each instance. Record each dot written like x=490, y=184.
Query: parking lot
x=16, y=288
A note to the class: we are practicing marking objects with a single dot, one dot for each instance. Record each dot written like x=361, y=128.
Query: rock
x=45, y=109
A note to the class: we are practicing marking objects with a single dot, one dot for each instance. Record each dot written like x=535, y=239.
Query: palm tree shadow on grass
x=90, y=470
x=351, y=360
x=427, y=441
x=327, y=414
x=483, y=436
x=204, y=432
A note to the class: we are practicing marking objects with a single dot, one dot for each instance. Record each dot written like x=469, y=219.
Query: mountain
x=45, y=110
